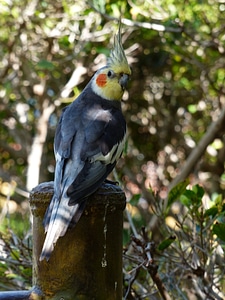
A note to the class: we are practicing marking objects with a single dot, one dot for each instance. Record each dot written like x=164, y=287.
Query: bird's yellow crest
x=110, y=81
x=117, y=59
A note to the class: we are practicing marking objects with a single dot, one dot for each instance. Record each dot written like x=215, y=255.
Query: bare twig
x=131, y=281
x=145, y=249
x=133, y=228
x=158, y=282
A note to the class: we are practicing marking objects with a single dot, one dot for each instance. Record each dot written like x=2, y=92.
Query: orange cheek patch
x=101, y=80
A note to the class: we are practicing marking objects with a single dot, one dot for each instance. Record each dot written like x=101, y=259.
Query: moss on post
x=87, y=262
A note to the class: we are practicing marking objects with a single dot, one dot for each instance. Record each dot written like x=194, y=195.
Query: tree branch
x=146, y=25
x=197, y=152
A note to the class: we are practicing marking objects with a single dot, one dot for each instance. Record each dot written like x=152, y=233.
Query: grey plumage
x=89, y=140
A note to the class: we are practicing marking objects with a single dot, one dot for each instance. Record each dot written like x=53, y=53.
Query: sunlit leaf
x=219, y=230
x=134, y=200
x=177, y=191
x=45, y=65
x=15, y=253
x=211, y=212
x=166, y=243
x=192, y=108
x=199, y=191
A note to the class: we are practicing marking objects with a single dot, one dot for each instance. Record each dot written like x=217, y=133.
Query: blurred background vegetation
x=175, y=113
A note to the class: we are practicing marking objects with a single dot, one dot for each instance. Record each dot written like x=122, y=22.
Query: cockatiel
x=89, y=140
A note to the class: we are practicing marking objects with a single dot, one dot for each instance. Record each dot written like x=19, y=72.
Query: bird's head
x=110, y=81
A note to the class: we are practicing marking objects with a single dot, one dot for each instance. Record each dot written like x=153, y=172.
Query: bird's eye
x=110, y=74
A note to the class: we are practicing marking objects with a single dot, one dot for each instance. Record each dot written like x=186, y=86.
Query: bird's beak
x=124, y=80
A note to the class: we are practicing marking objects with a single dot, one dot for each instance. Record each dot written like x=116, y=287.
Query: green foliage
x=17, y=222
x=166, y=243
x=45, y=65
x=176, y=192
x=135, y=199
x=15, y=248
x=15, y=261
x=219, y=230
x=176, y=51
x=194, y=248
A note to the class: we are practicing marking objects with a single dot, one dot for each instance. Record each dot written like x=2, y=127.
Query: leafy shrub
x=15, y=256
x=188, y=261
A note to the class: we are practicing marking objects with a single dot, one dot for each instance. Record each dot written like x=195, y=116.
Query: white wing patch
x=113, y=155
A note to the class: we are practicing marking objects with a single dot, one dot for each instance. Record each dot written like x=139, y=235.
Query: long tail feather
x=61, y=217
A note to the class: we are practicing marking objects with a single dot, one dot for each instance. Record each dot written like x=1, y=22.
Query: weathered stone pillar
x=87, y=262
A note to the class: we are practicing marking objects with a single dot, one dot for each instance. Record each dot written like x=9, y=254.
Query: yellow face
x=110, y=81
x=110, y=84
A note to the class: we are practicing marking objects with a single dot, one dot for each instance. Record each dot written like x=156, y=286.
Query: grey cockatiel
x=88, y=142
